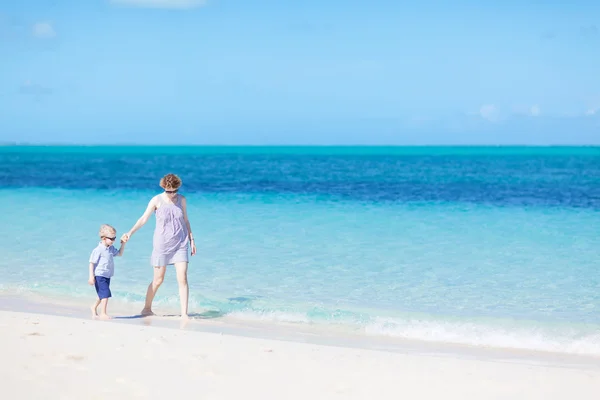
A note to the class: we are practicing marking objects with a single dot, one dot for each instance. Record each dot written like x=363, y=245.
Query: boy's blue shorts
x=102, y=286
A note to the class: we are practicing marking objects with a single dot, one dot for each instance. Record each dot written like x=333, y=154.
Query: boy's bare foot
x=146, y=312
x=94, y=311
x=105, y=316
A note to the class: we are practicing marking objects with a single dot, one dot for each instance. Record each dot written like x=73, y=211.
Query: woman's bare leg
x=181, y=268
x=159, y=277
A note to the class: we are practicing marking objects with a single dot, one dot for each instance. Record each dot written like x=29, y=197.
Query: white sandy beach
x=70, y=358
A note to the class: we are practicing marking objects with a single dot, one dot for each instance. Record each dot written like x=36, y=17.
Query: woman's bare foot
x=146, y=312
x=184, y=322
x=105, y=316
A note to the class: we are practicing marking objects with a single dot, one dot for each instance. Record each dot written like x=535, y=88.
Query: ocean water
x=472, y=245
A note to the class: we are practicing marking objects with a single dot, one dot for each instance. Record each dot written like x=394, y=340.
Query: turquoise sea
x=485, y=246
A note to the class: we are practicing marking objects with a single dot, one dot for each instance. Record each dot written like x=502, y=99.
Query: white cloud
x=535, y=111
x=591, y=30
x=528, y=111
x=29, y=87
x=35, y=90
x=43, y=30
x=176, y=4
x=489, y=112
x=592, y=111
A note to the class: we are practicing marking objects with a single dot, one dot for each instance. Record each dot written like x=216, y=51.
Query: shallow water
x=482, y=246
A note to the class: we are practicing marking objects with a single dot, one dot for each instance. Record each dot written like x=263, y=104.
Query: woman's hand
x=193, y=246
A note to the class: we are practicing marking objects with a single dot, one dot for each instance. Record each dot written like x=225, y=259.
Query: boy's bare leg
x=94, y=308
x=103, y=304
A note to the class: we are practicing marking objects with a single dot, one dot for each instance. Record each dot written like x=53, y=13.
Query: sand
x=73, y=358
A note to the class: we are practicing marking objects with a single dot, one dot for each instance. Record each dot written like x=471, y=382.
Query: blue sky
x=309, y=72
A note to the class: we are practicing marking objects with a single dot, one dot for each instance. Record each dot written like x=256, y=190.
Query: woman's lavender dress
x=170, y=244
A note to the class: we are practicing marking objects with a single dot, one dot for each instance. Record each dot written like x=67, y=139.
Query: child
x=102, y=268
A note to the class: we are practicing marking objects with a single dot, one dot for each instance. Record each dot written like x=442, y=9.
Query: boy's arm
x=92, y=279
x=122, y=249
x=94, y=259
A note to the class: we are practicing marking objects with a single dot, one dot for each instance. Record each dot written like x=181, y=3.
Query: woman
x=172, y=240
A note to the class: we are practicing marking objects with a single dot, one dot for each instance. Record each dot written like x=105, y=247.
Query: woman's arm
x=185, y=217
x=143, y=219
x=187, y=222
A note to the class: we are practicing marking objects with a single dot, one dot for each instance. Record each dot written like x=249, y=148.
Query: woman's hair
x=107, y=231
x=170, y=181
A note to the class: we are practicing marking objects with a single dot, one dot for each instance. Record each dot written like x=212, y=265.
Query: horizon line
x=15, y=144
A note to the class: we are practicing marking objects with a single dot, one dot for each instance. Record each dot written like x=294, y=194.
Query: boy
x=102, y=268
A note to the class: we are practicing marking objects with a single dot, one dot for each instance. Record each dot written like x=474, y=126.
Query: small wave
x=507, y=334
x=581, y=340
x=271, y=316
